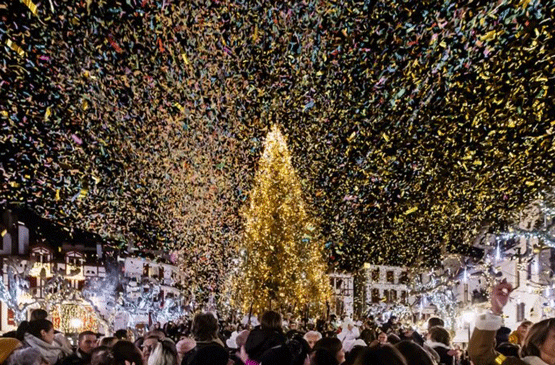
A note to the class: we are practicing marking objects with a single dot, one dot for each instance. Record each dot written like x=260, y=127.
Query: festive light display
x=73, y=318
x=142, y=120
x=16, y=292
x=282, y=262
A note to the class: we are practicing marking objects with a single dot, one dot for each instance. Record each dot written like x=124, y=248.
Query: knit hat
x=7, y=346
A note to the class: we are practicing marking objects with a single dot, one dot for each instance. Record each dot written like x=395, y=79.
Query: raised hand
x=500, y=296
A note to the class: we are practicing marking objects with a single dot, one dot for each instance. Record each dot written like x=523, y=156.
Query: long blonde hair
x=165, y=353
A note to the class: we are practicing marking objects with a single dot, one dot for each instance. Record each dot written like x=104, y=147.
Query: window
x=146, y=269
x=393, y=295
x=520, y=312
x=390, y=277
x=376, y=275
x=376, y=295
x=404, y=297
x=387, y=296
x=404, y=278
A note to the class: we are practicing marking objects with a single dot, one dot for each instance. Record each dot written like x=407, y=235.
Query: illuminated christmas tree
x=282, y=265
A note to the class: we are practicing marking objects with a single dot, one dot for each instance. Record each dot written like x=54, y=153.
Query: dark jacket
x=260, y=341
x=444, y=357
x=77, y=358
x=206, y=353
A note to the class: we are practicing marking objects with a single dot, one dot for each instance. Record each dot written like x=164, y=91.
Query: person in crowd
x=299, y=349
x=322, y=357
x=439, y=339
x=158, y=333
x=517, y=336
x=126, y=353
x=7, y=347
x=349, y=333
x=165, y=353
x=410, y=334
x=538, y=346
x=311, y=337
x=352, y=355
x=82, y=356
x=332, y=346
x=435, y=322
x=108, y=341
x=102, y=355
x=508, y=349
x=261, y=339
x=240, y=341
x=414, y=353
x=25, y=356
x=209, y=350
x=121, y=334
x=392, y=338
x=502, y=335
x=368, y=333
x=382, y=338
x=40, y=335
x=149, y=344
x=380, y=355
x=391, y=326
x=184, y=345
x=38, y=314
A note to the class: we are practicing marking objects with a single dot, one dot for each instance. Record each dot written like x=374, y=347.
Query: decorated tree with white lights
x=16, y=292
x=282, y=254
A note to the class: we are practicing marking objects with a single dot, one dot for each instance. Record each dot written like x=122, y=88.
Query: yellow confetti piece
x=411, y=210
x=47, y=114
x=524, y=3
x=31, y=6
x=185, y=58
x=4, y=113
x=17, y=49
x=179, y=106
x=386, y=137
x=57, y=198
x=83, y=193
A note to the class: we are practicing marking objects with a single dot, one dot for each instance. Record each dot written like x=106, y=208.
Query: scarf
x=433, y=344
x=50, y=352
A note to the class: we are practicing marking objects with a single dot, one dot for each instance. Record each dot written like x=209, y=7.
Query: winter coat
x=262, y=340
x=348, y=337
x=443, y=352
x=206, y=353
x=52, y=353
x=482, y=351
x=77, y=358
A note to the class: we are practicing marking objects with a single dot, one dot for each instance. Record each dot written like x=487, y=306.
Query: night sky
x=412, y=124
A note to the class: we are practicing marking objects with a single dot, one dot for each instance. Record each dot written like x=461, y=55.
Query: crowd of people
x=273, y=340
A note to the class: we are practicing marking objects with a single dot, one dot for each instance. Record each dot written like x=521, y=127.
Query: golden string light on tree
x=282, y=254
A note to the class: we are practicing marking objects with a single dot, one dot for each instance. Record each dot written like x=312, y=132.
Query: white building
x=386, y=284
x=343, y=295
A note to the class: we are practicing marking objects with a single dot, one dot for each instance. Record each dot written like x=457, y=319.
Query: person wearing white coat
x=349, y=334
